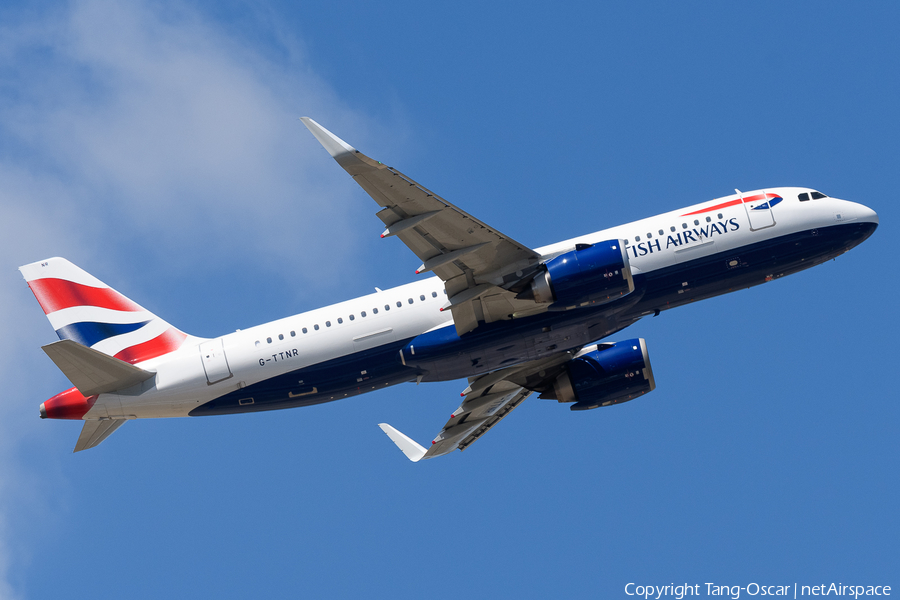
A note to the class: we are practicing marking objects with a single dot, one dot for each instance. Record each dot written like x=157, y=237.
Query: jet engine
x=606, y=374
x=590, y=274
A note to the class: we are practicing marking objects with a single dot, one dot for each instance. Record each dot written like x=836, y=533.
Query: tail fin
x=82, y=308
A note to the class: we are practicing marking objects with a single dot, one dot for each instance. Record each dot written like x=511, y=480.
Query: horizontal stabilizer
x=95, y=432
x=91, y=371
x=410, y=448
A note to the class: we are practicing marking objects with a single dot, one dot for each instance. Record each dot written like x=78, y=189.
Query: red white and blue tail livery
x=82, y=308
x=513, y=321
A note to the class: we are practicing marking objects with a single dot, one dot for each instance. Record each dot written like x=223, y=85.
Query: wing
x=478, y=264
x=488, y=399
x=468, y=423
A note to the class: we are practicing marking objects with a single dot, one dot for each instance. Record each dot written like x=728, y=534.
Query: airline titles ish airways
x=682, y=238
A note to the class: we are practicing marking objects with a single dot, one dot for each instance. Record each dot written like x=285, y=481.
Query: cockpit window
x=815, y=196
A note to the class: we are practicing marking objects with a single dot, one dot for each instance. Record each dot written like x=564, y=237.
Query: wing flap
x=512, y=401
x=91, y=371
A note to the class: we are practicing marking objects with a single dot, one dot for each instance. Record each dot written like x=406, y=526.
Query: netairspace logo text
x=678, y=592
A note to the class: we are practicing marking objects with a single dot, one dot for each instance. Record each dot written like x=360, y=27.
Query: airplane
x=512, y=320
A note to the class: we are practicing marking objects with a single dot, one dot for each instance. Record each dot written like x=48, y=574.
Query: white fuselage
x=251, y=356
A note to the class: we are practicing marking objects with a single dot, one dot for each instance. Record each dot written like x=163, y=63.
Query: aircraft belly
x=335, y=379
x=746, y=266
x=361, y=372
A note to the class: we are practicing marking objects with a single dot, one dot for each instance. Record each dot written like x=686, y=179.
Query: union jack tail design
x=84, y=309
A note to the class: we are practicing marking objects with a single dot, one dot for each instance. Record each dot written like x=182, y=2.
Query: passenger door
x=758, y=210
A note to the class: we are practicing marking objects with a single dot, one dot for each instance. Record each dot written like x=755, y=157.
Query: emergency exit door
x=215, y=364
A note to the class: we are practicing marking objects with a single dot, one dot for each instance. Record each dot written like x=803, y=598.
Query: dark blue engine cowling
x=590, y=274
x=613, y=374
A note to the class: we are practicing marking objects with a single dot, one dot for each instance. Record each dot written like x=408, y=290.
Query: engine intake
x=612, y=374
x=590, y=274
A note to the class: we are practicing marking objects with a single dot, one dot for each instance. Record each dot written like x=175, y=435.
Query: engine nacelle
x=611, y=374
x=590, y=274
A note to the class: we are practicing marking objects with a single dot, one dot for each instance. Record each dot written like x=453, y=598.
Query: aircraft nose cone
x=854, y=212
x=43, y=411
x=866, y=221
x=868, y=215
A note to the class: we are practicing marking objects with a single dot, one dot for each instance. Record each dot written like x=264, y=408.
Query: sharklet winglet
x=336, y=146
x=410, y=448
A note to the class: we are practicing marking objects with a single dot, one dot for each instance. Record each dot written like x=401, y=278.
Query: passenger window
x=387, y=307
x=374, y=311
x=696, y=222
x=684, y=225
x=363, y=314
x=661, y=232
x=257, y=343
x=340, y=320
x=672, y=229
x=305, y=330
x=818, y=195
x=410, y=301
x=352, y=318
x=422, y=297
x=649, y=236
x=709, y=219
x=316, y=326
x=269, y=340
x=399, y=304
x=327, y=323
x=280, y=336
x=434, y=294
x=637, y=238
x=720, y=215
x=293, y=334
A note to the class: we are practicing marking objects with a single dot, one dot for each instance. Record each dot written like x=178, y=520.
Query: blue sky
x=157, y=146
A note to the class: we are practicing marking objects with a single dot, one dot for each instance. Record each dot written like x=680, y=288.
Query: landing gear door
x=215, y=364
x=758, y=210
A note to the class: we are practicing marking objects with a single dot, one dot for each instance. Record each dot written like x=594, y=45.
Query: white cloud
x=159, y=120
x=137, y=130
